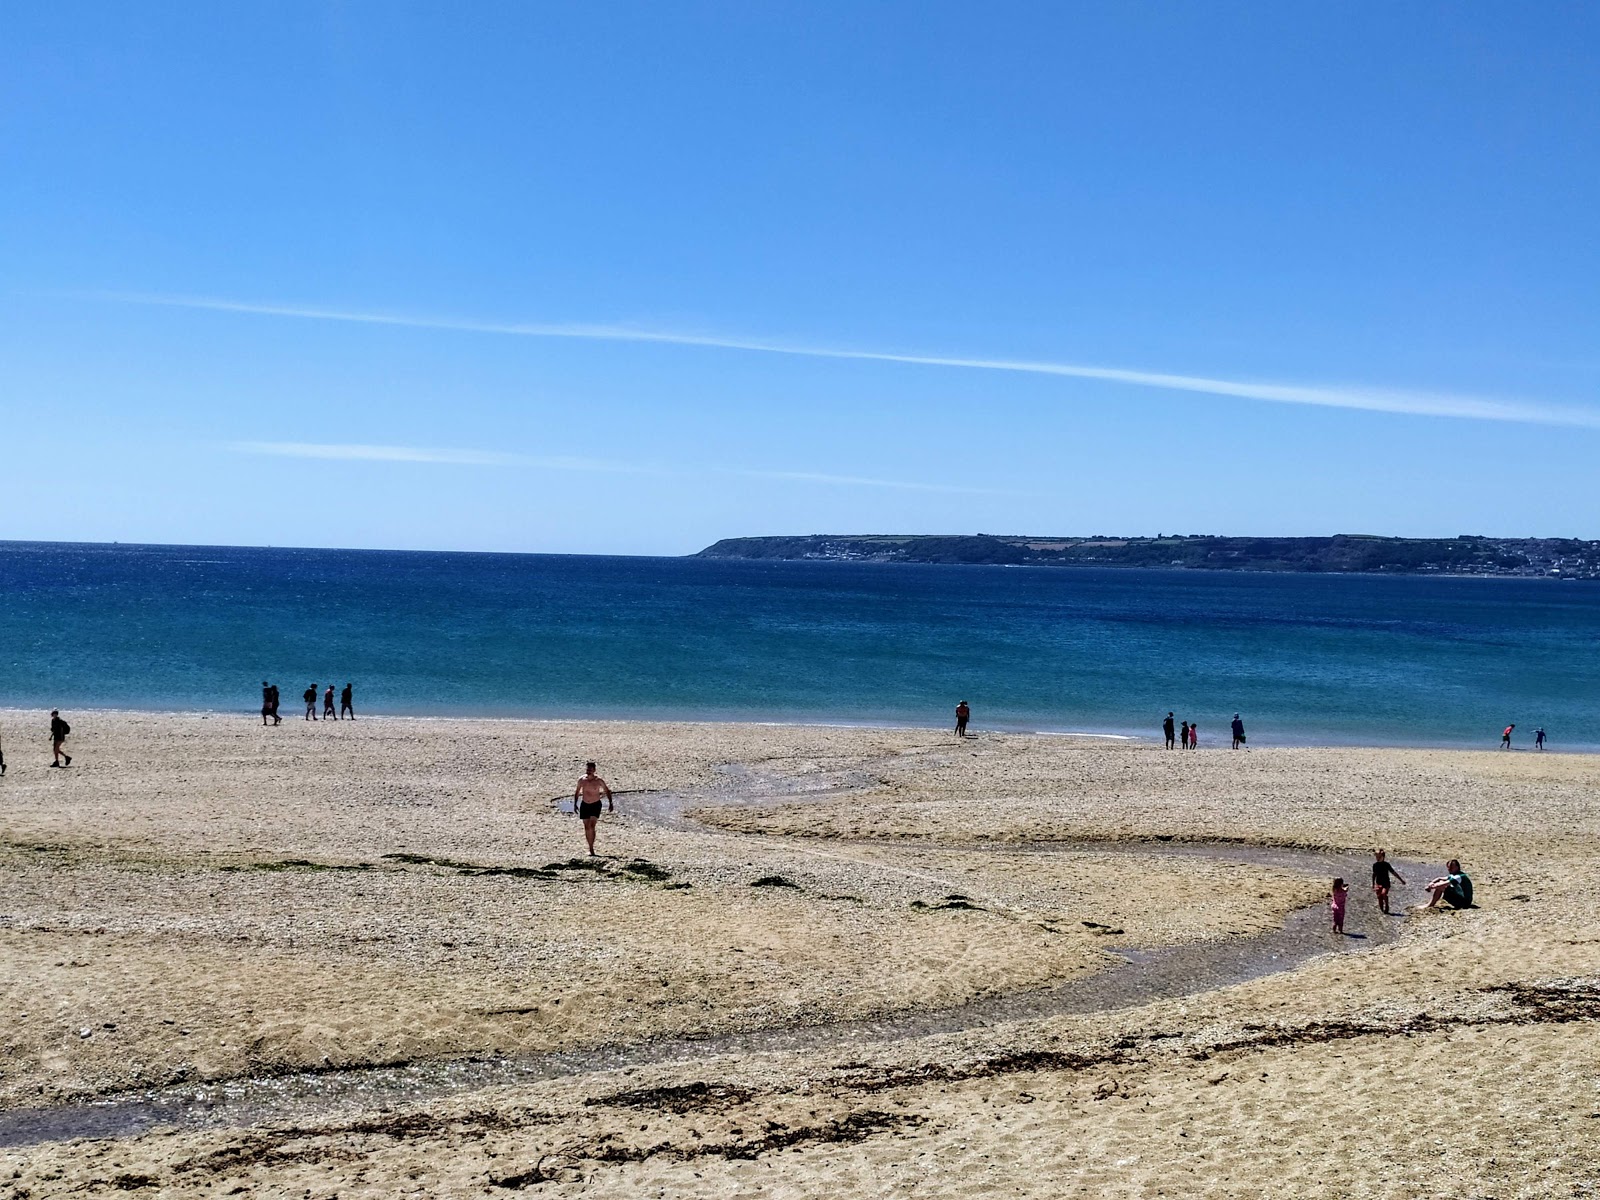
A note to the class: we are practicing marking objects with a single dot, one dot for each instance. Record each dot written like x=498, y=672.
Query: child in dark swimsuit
x=1382, y=873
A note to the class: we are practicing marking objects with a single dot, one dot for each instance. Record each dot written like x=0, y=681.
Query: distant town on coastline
x=1469, y=554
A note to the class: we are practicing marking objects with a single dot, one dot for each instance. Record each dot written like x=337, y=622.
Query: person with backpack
x=58, y=734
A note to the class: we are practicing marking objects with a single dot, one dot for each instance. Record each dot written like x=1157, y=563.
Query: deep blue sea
x=1305, y=658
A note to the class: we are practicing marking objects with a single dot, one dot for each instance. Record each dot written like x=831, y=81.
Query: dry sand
x=198, y=900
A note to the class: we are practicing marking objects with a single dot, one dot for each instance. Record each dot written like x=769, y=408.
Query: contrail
x=1413, y=403
x=453, y=456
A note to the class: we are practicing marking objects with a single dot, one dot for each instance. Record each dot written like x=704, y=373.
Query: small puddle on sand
x=1143, y=976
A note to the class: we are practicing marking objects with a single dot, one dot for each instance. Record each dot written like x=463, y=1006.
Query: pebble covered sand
x=200, y=900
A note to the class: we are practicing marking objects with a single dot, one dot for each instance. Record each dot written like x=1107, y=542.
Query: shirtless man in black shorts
x=586, y=797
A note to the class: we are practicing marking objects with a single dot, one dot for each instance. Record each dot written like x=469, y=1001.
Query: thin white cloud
x=361, y=453
x=358, y=452
x=1388, y=400
x=861, y=481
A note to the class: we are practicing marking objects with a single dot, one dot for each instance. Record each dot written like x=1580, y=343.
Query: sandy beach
x=809, y=962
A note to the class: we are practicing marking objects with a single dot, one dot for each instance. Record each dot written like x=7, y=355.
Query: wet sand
x=200, y=902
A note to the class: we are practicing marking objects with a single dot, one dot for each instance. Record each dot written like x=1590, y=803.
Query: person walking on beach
x=1382, y=875
x=1505, y=737
x=1194, y=736
x=277, y=699
x=1183, y=736
x=347, y=702
x=266, y=701
x=1166, y=730
x=311, y=702
x=1538, y=738
x=963, y=713
x=1238, y=731
x=58, y=734
x=586, y=798
x=328, y=713
x=1336, y=903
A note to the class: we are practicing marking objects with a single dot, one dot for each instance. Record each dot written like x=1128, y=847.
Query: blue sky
x=627, y=278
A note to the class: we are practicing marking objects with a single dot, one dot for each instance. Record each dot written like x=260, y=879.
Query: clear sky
x=627, y=278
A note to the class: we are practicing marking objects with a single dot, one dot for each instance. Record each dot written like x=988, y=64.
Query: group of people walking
x=270, y=699
x=1186, y=736
x=1505, y=737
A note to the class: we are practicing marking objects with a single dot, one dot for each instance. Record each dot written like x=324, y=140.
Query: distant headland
x=1469, y=554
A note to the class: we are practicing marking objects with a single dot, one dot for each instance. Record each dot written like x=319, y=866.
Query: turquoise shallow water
x=1305, y=658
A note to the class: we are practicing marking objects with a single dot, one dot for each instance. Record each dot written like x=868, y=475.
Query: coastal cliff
x=1567, y=558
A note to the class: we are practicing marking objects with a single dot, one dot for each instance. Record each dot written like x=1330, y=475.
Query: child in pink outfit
x=1336, y=899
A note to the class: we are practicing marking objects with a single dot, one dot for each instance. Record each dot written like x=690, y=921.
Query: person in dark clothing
x=58, y=734
x=1183, y=736
x=1238, y=731
x=963, y=713
x=277, y=699
x=1382, y=876
x=1538, y=738
x=2, y=758
x=1166, y=730
x=310, y=698
x=266, y=701
x=328, y=713
x=1454, y=887
x=347, y=701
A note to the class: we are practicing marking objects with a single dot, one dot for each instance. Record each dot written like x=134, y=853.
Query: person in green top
x=1454, y=887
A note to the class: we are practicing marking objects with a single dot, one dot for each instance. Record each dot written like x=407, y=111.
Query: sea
x=1306, y=659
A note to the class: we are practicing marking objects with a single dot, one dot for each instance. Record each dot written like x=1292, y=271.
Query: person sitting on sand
x=586, y=799
x=1336, y=902
x=58, y=734
x=1382, y=873
x=1454, y=887
x=963, y=713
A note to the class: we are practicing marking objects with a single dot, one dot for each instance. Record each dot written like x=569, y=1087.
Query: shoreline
x=10, y=711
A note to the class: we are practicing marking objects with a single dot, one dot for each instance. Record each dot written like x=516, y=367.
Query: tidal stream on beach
x=1134, y=976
